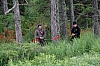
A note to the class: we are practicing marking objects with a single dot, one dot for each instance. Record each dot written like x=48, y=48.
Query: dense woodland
x=19, y=20
x=38, y=11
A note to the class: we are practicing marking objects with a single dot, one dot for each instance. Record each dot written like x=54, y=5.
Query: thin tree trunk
x=96, y=26
x=87, y=24
x=64, y=19
x=17, y=22
x=4, y=6
x=55, y=28
x=71, y=13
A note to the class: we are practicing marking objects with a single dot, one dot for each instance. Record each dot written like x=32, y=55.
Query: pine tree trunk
x=71, y=13
x=17, y=22
x=4, y=6
x=96, y=28
x=87, y=24
x=57, y=18
x=64, y=19
x=55, y=28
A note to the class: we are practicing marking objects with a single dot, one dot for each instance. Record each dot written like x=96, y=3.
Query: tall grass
x=64, y=52
x=50, y=60
x=85, y=44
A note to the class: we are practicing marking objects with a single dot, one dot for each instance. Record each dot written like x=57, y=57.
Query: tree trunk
x=55, y=28
x=64, y=19
x=4, y=6
x=96, y=26
x=87, y=24
x=71, y=13
x=17, y=22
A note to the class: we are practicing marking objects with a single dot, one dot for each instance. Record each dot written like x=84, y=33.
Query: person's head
x=74, y=24
x=40, y=26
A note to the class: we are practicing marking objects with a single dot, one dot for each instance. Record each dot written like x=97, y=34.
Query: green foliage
x=4, y=20
x=38, y=11
x=18, y=52
x=50, y=60
x=35, y=10
x=29, y=35
x=80, y=52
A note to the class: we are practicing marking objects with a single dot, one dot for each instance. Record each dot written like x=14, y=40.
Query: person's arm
x=72, y=32
x=36, y=34
x=78, y=31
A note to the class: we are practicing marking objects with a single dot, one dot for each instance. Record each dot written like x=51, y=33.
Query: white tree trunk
x=17, y=22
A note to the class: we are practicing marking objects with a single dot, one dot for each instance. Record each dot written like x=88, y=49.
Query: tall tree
x=4, y=6
x=71, y=13
x=64, y=19
x=17, y=22
x=96, y=27
x=55, y=28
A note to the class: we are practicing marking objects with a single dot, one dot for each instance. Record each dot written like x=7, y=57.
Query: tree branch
x=25, y=4
x=11, y=9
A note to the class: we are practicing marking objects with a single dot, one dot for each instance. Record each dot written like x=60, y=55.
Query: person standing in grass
x=75, y=32
x=40, y=35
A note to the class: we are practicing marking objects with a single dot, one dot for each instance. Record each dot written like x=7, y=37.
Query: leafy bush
x=80, y=52
x=50, y=60
x=18, y=52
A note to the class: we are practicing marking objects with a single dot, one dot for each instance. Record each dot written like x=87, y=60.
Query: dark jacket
x=40, y=33
x=76, y=31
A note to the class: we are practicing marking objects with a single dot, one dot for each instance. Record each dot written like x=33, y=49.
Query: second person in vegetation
x=75, y=32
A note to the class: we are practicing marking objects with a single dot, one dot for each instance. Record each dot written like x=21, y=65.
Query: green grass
x=81, y=52
x=50, y=60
